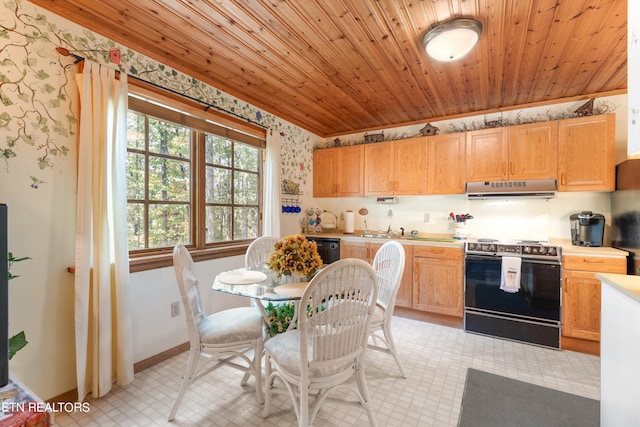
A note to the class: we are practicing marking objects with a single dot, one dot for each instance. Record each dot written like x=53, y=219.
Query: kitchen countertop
x=448, y=241
x=604, y=251
x=445, y=240
x=625, y=284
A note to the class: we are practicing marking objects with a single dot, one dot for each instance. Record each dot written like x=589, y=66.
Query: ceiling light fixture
x=452, y=40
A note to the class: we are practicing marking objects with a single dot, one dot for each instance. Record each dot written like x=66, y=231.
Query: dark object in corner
x=4, y=296
x=628, y=175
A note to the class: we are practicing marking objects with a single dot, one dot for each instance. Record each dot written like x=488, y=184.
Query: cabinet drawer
x=437, y=252
x=595, y=264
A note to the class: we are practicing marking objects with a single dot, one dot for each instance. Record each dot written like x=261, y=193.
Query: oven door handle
x=541, y=261
x=497, y=258
x=483, y=257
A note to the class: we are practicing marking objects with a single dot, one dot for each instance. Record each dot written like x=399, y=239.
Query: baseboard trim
x=423, y=316
x=72, y=395
x=581, y=346
x=160, y=357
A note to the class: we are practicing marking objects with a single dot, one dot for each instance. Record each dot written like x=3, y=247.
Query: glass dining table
x=260, y=284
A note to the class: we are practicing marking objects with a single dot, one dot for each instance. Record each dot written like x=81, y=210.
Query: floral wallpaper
x=38, y=113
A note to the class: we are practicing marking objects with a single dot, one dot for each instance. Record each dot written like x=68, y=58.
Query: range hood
x=533, y=189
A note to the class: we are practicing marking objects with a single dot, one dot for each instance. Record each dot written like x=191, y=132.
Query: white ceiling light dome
x=452, y=40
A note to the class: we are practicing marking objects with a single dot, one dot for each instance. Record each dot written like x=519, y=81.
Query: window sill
x=151, y=262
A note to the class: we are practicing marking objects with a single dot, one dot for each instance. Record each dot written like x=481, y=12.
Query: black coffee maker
x=587, y=229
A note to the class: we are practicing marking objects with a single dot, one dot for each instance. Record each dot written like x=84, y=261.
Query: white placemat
x=293, y=290
x=241, y=277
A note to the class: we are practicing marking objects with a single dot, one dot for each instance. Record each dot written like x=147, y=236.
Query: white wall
x=153, y=291
x=620, y=352
x=530, y=219
x=633, y=69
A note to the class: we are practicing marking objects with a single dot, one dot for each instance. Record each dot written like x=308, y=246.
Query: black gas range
x=527, y=311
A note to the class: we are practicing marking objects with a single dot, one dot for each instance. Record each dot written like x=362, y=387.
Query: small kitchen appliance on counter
x=587, y=229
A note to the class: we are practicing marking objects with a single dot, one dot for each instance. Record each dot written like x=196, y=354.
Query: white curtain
x=104, y=342
x=272, y=204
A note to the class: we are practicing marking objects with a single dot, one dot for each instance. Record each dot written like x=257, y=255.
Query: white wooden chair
x=218, y=338
x=328, y=347
x=259, y=250
x=389, y=266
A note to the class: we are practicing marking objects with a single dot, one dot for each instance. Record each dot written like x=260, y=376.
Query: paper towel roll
x=348, y=222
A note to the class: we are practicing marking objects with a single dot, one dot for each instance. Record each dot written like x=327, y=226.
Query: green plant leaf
x=16, y=343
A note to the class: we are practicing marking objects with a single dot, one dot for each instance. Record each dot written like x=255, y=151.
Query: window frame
x=143, y=98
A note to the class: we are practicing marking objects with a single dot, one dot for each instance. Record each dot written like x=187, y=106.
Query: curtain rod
x=65, y=52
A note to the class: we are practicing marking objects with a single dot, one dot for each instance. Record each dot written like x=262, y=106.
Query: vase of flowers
x=295, y=256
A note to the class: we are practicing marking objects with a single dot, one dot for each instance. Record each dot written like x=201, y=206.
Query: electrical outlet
x=175, y=309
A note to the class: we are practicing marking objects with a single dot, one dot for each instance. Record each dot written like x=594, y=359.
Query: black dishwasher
x=328, y=248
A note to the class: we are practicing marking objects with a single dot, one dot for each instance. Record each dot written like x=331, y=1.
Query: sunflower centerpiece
x=295, y=255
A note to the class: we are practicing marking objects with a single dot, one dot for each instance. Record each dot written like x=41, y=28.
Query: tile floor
x=435, y=358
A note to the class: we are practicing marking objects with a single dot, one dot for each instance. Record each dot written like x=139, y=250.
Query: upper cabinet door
x=378, y=169
x=325, y=164
x=338, y=172
x=445, y=164
x=533, y=151
x=586, y=153
x=487, y=155
x=410, y=169
x=350, y=171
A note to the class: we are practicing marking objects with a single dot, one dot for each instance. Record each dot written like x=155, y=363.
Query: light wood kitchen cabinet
x=586, y=153
x=445, y=164
x=438, y=280
x=521, y=152
x=338, y=172
x=396, y=167
x=367, y=251
x=487, y=155
x=581, y=294
x=359, y=250
x=533, y=151
x=379, y=176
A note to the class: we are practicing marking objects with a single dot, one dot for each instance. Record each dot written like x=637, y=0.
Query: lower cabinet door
x=438, y=285
x=581, y=305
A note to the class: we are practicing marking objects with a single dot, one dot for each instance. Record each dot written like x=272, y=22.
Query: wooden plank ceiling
x=342, y=66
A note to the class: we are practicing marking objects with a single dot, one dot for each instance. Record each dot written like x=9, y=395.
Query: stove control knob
x=543, y=250
x=551, y=251
x=527, y=249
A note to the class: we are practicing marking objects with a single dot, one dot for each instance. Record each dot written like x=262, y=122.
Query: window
x=189, y=181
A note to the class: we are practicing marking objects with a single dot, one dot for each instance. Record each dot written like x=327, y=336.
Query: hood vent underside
x=535, y=189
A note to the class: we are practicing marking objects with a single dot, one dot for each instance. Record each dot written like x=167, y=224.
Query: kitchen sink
x=376, y=235
x=392, y=236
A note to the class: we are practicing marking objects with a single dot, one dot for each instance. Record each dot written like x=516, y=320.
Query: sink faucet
x=389, y=230
x=366, y=229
